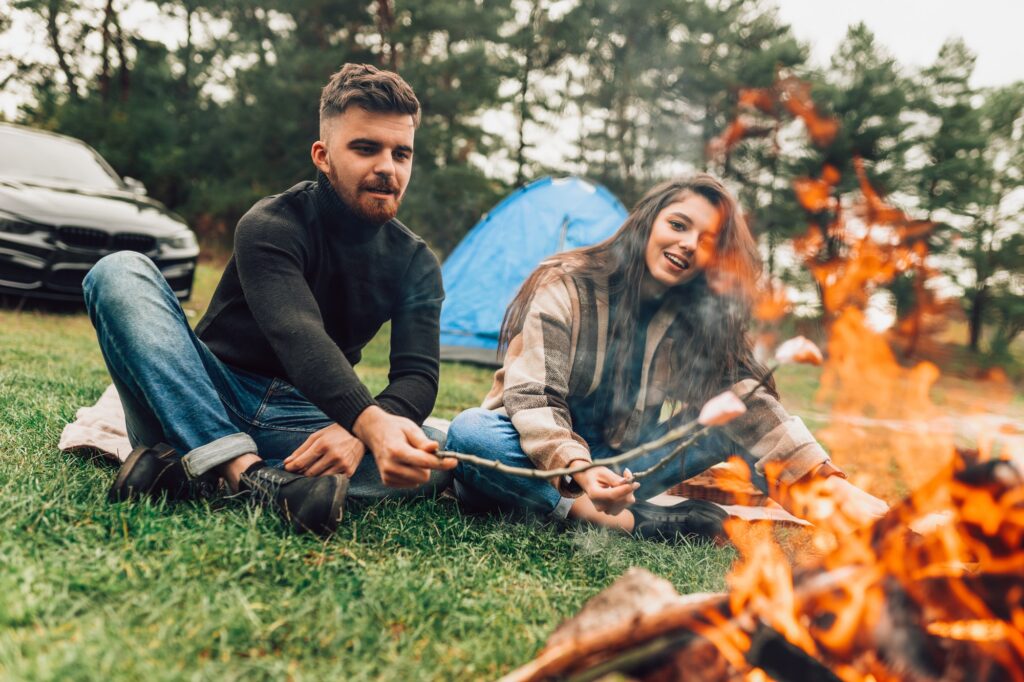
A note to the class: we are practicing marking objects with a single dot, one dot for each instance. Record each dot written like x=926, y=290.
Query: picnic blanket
x=99, y=429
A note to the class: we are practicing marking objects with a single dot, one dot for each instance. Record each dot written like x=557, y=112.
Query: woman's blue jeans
x=491, y=435
x=176, y=391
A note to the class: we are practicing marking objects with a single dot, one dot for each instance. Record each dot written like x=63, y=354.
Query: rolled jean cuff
x=206, y=457
x=561, y=510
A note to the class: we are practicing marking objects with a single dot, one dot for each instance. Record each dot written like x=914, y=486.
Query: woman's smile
x=677, y=262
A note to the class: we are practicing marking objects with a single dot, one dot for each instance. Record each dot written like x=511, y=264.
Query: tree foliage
x=214, y=105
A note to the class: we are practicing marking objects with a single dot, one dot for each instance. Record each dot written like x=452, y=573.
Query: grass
x=221, y=590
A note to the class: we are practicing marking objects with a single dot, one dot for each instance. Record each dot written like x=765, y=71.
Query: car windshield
x=41, y=157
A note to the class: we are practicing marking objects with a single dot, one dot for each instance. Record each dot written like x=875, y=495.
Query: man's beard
x=371, y=209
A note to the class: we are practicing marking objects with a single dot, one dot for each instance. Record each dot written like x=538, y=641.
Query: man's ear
x=319, y=155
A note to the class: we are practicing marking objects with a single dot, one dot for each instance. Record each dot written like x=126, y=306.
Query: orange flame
x=967, y=538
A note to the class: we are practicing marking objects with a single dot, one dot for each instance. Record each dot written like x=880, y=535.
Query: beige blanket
x=98, y=429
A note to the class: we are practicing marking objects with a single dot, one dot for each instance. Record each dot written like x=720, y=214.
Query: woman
x=601, y=342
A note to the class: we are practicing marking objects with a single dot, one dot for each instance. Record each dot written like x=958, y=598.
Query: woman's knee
x=476, y=431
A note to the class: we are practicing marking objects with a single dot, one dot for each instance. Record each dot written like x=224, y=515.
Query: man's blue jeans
x=175, y=390
x=491, y=435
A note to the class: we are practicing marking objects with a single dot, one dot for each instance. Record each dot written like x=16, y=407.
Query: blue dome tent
x=485, y=270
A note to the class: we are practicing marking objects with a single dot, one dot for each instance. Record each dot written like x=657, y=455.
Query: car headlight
x=180, y=241
x=12, y=225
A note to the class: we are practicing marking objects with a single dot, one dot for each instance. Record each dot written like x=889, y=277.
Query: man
x=268, y=373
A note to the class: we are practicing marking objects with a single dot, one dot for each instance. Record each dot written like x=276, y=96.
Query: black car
x=62, y=208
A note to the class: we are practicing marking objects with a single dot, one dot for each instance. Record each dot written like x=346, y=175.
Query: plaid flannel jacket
x=560, y=354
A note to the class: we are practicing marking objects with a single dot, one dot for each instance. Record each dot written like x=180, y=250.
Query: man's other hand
x=403, y=452
x=331, y=450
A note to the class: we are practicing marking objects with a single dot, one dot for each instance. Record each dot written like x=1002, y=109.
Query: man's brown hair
x=370, y=88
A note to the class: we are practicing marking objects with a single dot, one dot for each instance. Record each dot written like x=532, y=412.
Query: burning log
x=889, y=604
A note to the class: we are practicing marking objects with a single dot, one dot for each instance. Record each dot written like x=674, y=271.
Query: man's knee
x=118, y=268
x=116, y=275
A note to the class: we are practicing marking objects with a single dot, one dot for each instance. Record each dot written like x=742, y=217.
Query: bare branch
x=691, y=431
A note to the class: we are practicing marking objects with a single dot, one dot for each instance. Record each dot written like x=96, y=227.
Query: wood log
x=909, y=616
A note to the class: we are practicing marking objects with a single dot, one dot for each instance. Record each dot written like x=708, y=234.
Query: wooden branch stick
x=628, y=456
x=664, y=461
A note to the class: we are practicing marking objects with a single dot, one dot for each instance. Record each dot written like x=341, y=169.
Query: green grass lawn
x=221, y=590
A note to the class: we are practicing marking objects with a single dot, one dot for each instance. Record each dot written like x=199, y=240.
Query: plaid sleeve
x=536, y=384
x=783, y=446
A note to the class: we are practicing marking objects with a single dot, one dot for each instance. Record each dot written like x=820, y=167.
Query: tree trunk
x=124, y=71
x=186, y=58
x=974, y=322
x=524, y=113
x=53, y=32
x=917, y=315
x=385, y=24
x=104, y=76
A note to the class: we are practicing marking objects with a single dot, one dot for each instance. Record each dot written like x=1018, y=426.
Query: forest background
x=222, y=110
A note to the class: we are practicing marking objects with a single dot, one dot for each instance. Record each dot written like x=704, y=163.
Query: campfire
x=889, y=603
x=932, y=591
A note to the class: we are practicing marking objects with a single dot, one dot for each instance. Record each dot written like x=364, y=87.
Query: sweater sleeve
x=784, y=448
x=271, y=253
x=415, y=332
x=537, y=385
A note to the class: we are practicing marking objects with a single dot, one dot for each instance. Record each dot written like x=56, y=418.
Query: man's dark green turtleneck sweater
x=310, y=284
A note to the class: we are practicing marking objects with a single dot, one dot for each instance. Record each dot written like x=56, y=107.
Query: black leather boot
x=152, y=472
x=308, y=503
x=688, y=519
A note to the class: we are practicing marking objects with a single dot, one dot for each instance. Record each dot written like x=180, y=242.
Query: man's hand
x=403, y=452
x=331, y=450
x=610, y=492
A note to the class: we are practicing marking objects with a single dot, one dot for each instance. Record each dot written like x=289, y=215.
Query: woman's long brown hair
x=711, y=346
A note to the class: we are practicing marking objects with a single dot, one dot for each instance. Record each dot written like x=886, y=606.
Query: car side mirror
x=135, y=186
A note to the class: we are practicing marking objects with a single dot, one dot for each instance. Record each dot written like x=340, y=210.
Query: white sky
x=913, y=30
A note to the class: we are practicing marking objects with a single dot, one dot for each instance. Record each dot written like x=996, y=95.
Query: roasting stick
x=691, y=431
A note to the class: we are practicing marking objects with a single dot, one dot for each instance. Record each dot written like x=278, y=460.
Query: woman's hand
x=859, y=506
x=610, y=492
x=832, y=502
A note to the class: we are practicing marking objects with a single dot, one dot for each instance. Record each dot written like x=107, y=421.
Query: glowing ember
x=972, y=630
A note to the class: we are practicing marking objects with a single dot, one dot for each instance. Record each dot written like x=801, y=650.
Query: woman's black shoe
x=309, y=503
x=688, y=519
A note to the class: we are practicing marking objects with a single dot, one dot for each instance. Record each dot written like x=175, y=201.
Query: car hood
x=112, y=211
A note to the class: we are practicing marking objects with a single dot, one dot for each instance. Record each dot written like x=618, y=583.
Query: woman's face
x=682, y=240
